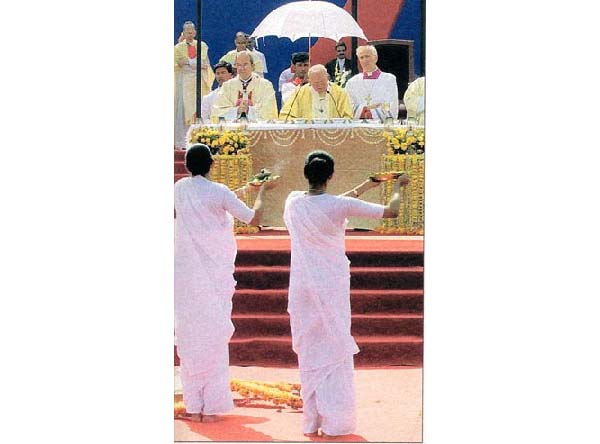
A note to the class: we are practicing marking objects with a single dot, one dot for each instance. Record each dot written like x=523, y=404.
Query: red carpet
x=386, y=297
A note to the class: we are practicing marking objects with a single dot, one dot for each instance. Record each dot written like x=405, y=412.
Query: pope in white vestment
x=373, y=93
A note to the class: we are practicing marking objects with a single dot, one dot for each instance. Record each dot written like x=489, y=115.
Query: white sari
x=205, y=251
x=319, y=307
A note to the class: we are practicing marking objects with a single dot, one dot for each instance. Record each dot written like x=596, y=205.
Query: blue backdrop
x=222, y=19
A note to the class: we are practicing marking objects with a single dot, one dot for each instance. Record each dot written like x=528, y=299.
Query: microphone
x=295, y=97
x=334, y=102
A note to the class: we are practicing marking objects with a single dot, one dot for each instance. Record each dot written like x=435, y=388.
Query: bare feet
x=210, y=418
x=196, y=417
x=332, y=437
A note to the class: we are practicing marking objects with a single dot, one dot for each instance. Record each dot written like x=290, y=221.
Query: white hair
x=188, y=23
x=315, y=69
x=369, y=47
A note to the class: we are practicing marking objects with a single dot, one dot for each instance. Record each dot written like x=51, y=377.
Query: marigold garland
x=411, y=217
x=403, y=140
x=279, y=393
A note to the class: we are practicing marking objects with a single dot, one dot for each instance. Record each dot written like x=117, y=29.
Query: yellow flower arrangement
x=404, y=140
x=225, y=142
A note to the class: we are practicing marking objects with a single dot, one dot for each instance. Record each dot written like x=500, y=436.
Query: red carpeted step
x=277, y=277
x=374, y=351
x=362, y=301
x=179, y=155
x=277, y=351
x=179, y=168
x=357, y=258
x=382, y=324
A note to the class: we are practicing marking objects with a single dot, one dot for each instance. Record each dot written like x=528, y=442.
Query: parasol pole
x=309, y=61
x=354, y=40
x=199, y=59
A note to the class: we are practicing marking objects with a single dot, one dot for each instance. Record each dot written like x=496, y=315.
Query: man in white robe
x=246, y=95
x=205, y=251
x=186, y=59
x=373, y=93
x=285, y=76
x=257, y=54
x=319, y=294
x=301, y=65
x=241, y=44
x=223, y=72
x=414, y=100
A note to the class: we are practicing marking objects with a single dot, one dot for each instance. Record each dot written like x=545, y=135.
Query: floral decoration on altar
x=405, y=140
x=226, y=142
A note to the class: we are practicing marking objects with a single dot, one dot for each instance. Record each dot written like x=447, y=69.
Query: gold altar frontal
x=357, y=153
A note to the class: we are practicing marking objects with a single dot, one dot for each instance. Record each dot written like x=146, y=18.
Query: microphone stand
x=293, y=101
x=334, y=102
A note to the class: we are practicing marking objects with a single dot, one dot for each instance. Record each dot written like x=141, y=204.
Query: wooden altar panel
x=356, y=151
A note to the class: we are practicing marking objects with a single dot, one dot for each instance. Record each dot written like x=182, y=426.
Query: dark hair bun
x=318, y=167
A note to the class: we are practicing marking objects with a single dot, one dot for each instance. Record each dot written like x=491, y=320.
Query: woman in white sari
x=205, y=251
x=319, y=293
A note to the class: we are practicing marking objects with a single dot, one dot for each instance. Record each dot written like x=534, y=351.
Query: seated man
x=241, y=44
x=246, y=95
x=318, y=100
x=223, y=72
x=285, y=76
x=259, y=56
x=374, y=94
x=301, y=65
x=414, y=100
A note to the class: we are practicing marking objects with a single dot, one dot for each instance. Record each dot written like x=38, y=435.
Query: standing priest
x=374, y=94
x=320, y=99
x=186, y=59
x=246, y=95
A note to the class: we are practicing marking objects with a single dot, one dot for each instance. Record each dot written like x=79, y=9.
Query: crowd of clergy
x=308, y=92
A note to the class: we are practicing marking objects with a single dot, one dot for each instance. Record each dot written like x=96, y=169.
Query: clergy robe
x=365, y=89
x=319, y=307
x=185, y=86
x=305, y=103
x=259, y=92
x=414, y=100
x=205, y=251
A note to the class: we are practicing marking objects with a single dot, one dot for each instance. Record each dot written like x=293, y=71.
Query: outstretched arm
x=393, y=207
x=361, y=188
